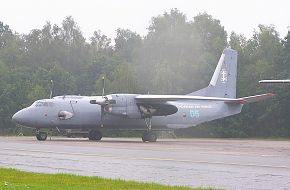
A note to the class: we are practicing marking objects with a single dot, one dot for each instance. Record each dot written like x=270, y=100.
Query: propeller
x=103, y=102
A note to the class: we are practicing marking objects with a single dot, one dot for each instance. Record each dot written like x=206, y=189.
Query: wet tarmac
x=227, y=164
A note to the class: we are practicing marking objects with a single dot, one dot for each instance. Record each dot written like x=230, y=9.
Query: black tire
x=91, y=135
x=98, y=135
x=149, y=137
x=41, y=136
x=152, y=137
x=95, y=135
x=145, y=137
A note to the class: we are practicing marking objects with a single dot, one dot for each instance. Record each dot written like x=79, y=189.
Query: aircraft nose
x=21, y=117
x=17, y=117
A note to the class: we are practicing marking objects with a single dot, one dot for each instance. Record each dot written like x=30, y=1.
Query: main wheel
x=145, y=137
x=149, y=137
x=152, y=137
x=41, y=136
x=95, y=135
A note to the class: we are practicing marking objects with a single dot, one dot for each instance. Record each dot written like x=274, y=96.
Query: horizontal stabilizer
x=274, y=81
x=251, y=99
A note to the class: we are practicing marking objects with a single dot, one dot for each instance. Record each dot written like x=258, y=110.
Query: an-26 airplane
x=141, y=112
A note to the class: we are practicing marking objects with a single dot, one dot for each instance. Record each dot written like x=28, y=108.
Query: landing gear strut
x=149, y=136
x=95, y=135
x=41, y=136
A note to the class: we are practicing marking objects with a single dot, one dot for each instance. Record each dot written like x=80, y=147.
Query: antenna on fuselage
x=51, y=89
x=103, y=85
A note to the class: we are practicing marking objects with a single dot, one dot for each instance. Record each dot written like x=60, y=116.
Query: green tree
x=5, y=33
x=127, y=44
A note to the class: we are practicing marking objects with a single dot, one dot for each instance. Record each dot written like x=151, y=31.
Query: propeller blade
x=102, y=116
x=102, y=102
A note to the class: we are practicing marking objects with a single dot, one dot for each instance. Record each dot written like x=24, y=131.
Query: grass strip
x=11, y=179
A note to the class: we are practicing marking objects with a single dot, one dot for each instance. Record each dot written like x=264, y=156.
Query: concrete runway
x=227, y=164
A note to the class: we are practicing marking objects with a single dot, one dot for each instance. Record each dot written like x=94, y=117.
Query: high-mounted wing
x=166, y=98
x=159, y=105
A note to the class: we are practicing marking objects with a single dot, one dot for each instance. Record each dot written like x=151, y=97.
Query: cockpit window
x=43, y=104
x=39, y=104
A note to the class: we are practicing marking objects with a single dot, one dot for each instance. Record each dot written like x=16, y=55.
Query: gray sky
x=107, y=15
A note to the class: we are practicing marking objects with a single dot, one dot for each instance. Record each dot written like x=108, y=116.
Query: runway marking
x=268, y=155
x=152, y=158
x=239, y=154
x=152, y=148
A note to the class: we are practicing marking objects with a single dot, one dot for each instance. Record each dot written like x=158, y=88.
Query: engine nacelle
x=123, y=105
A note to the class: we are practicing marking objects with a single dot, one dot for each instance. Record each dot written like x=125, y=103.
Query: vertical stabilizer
x=223, y=82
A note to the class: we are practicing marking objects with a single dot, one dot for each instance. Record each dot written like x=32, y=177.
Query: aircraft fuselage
x=76, y=112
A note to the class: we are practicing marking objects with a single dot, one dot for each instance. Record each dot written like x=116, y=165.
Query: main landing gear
x=149, y=135
x=41, y=136
x=95, y=135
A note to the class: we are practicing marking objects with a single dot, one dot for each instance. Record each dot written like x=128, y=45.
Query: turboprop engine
x=119, y=104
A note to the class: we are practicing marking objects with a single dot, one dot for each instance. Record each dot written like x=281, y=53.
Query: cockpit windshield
x=43, y=104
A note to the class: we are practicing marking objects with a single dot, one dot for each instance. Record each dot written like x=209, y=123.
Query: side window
x=43, y=104
x=39, y=104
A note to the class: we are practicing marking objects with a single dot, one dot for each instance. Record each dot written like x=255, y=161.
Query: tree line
x=176, y=56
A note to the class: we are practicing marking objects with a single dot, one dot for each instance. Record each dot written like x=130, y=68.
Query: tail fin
x=223, y=82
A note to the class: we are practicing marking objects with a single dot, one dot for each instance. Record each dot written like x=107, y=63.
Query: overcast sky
x=107, y=15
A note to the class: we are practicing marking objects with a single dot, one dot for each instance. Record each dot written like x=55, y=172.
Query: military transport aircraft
x=140, y=112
